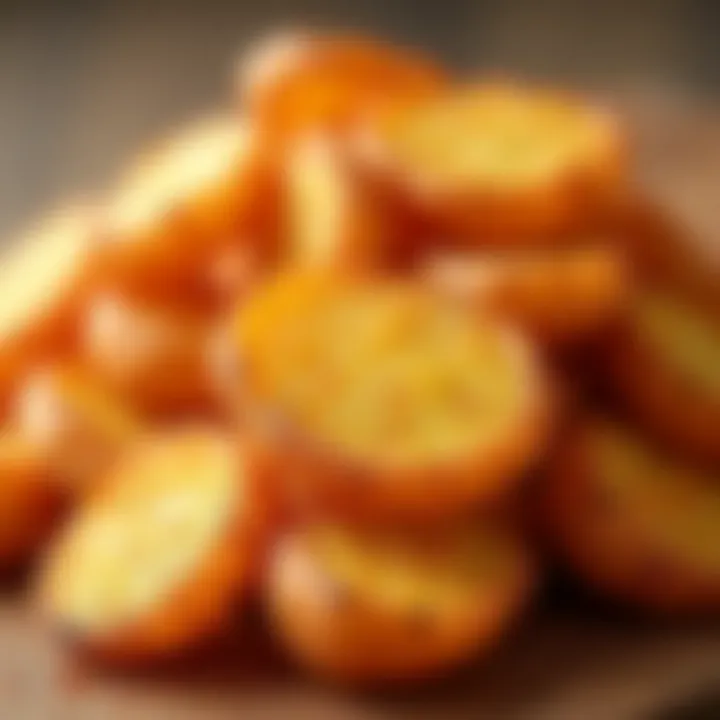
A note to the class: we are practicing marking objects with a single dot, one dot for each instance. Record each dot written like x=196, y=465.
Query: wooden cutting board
x=574, y=665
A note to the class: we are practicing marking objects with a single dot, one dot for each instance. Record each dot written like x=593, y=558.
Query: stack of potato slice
x=321, y=354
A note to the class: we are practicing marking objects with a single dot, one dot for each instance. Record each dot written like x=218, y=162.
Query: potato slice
x=76, y=423
x=380, y=401
x=44, y=279
x=381, y=608
x=334, y=219
x=155, y=561
x=294, y=82
x=498, y=163
x=206, y=189
x=666, y=365
x=151, y=354
x=559, y=295
x=634, y=523
x=29, y=501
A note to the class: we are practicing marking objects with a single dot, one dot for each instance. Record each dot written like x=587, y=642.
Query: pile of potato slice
x=371, y=351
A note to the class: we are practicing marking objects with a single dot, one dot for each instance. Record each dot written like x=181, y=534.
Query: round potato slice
x=635, y=523
x=152, y=355
x=155, y=561
x=561, y=295
x=666, y=365
x=498, y=163
x=29, y=501
x=44, y=279
x=382, y=402
x=76, y=423
x=209, y=188
x=294, y=82
x=383, y=608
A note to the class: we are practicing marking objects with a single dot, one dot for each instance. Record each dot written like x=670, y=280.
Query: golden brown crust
x=403, y=613
x=560, y=295
x=492, y=164
x=323, y=471
x=294, y=82
x=612, y=535
x=151, y=501
x=208, y=189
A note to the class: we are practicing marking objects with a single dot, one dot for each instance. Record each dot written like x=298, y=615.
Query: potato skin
x=559, y=296
x=295, y=82
x=197, y=606
x=350, y=635
x=492, y=210
x=46, y=277
x=664, y=399
x=210, y=189
x=317, y=477
x=151, y=354
x=30, y=504
x=604, y=544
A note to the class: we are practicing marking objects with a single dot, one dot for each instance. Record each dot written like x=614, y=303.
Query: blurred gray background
x=85, y=83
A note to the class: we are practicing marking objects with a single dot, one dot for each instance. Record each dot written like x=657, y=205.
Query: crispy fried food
x=334, y=219
x=295, y=82
x=209, y=188
x=29, y=501
x=666, y=365
x=491, y=164
x=381, y=402
x=44, y=279
x=76, y=423
x=559, y=295
x=380, y=608
x=634, y=523
x=155, y=561
x=151, y=354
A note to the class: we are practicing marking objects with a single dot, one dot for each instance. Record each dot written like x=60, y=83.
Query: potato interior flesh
x=148, y=536
x=501, y=135
x=383, y=373
x=672, y=505
x=439, y=571
x=37, y=272
x=683, y=335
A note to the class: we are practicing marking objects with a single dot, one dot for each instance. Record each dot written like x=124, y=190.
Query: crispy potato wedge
x=76, y=423
x=295, y=82
x=44, y=279
x=634, y=523
x=493, y=164
x=334, y=218
x=382, y=402
x=209, y=188
x=559, y=296
x=666, y=365
x=155, y=562
x=29, y=501
x=151, y=354
x=375, y=609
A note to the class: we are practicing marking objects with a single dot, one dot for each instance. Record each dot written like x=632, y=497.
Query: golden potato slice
x=151, y=354
x=155, y=561
x=29, y=501
x=634, y=523
x=381, y=401
x=666, y=365
x=376, y=609
x=559, y=295
x=294, y=82
x=208, y=188
x=44, y=279
x=334, y=219
x=76, y=423
x=498, y=163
